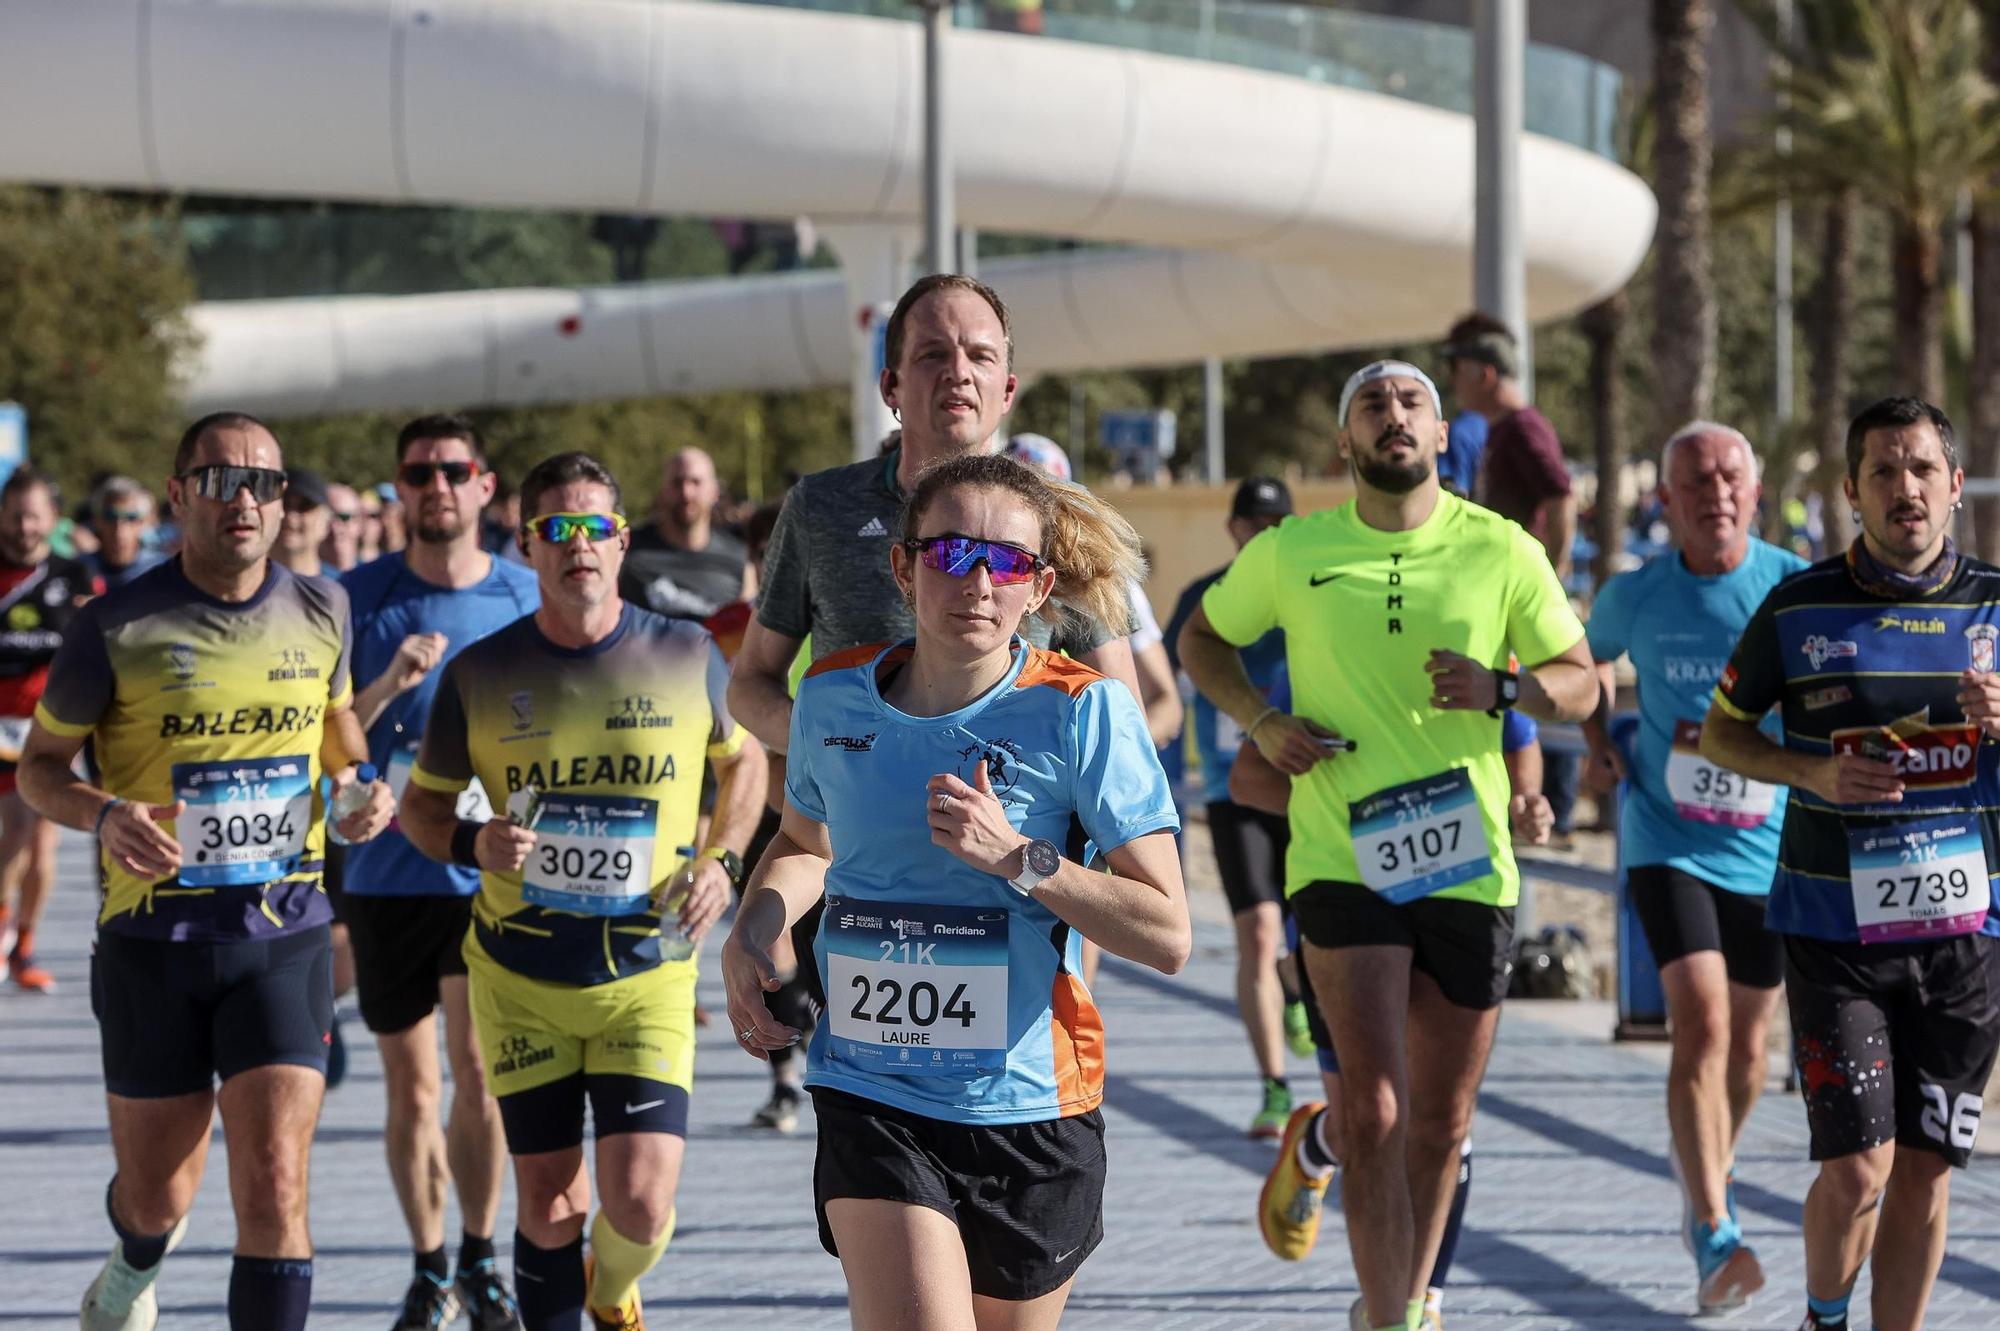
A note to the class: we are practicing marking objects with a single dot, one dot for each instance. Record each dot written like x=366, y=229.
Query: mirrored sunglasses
x=221, y=481
x=562, y=528
x=959, y=555
x=417, y=475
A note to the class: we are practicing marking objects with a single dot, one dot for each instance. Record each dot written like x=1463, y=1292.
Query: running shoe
x=429, y=1303
x=121, y=1298
x=628, y=1318
x=1433, y=1311
x=1298, y=1030
x=1270, y=1120
x=1730, y=1272
x=8, y=937
x=1288, y=1208
x=488, y=1303
x=780, y=1113
x=28, y=974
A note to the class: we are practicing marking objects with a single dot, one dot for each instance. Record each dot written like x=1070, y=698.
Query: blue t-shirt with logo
x=948, y=993
x=389, y=603
x=1680, y=629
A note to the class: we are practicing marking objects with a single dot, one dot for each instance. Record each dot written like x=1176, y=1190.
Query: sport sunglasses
x=221, y=481
x=562, y=528
x=959, y=555
x=418, y=475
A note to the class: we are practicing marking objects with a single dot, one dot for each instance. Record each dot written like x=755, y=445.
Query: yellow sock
x=620, y=1261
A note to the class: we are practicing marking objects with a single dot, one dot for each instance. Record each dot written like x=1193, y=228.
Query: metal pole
x=1781, y=253
x=1499, y=44
x=1211, y=416
x=940, y=223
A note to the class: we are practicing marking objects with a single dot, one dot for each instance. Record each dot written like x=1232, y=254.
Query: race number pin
x=1981, y=637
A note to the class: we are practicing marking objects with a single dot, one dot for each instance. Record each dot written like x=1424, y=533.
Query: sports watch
x=1509, y=685
x=1039, y=861
x=732, y=863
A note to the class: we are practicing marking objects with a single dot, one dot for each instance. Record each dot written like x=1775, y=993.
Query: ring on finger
x=944, y=803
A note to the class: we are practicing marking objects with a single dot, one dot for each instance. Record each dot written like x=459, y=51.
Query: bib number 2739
x=1422, y=837
x=1921, y=879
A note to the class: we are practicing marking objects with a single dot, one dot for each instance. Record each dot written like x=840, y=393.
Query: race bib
x=1923, y=879
x=1705, y=793
x=473, y=805
x=916, y=989
x=593, y=855
x=1422, y=837
x=246, y=821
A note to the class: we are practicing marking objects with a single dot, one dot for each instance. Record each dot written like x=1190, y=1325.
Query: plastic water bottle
x=351, y=800
x=675, y=945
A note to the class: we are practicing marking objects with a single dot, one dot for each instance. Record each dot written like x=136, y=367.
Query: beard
x=1396, y=478
x=441, y=529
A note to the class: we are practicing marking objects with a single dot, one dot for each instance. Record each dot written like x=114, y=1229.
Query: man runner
x=681, y=564
x=1882, y=663
x=1699, y=843
x=1400, y=609
x=590, y=719
x=213, y=691
x=40, y=594
x=406, y=913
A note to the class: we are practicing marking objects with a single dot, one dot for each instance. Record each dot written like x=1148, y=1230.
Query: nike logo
x=1066, y=1256
x=640, y=1109
x=1320, y=579
x=519, y=1274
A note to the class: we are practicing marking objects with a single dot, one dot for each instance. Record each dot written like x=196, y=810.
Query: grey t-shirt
x=826, y=571
x=682, y=584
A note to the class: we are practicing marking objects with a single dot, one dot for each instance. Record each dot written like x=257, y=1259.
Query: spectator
x=121, y=515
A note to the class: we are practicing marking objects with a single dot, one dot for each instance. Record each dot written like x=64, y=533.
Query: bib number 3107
x=1415, y=839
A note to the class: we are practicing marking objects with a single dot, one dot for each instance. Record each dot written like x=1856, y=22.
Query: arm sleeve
x=1077, y=633
x=1119, y=791
x=1542, y=461
x=725, y=737
x=1610, y=628
x=1540, y=624
x=1754, y=680
x=784, y=597
x=444, y=762
x=801, y=783
x=340, y=685
x=80, y=682
x=1517, y=731
x=1242, y=604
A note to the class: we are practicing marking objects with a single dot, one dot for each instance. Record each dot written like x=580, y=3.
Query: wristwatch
x=1039, y=861
x=1509, y=684
x=732, y=863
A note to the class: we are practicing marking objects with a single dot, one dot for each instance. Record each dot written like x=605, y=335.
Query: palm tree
x=1684, y=298
x=1905, y=118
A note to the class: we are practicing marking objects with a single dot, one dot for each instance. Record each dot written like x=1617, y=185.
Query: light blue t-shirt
x=1680, y=630
x=948, y=993
x=389, y=603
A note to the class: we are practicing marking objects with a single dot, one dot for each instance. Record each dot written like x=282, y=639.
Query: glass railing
x=1566, y=96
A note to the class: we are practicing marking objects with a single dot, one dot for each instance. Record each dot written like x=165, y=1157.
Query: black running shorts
x=1894, y=1041
x=1463, y=945
x=1028, y=1198
x=1249, y=854
x=176, y=1016
x=1683, y=914
x=402, y=947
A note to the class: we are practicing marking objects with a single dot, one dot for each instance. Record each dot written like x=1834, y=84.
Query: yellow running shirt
x=1362, y=610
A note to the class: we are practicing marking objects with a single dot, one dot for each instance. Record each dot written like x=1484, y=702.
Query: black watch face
x=1510, y=688
x=1043, y=858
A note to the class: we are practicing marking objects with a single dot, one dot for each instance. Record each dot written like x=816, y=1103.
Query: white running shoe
x=122, y=1299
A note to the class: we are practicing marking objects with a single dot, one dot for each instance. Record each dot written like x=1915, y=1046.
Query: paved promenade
x=1572, y=1221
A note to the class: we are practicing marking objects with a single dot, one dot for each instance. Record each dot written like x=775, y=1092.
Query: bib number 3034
x=246, y=821
x=1422, y=837
x=1705, y=793
x=593, y=855
x=1922, y=879
x=916, y=989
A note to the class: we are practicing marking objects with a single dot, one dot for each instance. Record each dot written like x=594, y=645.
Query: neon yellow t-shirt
x=1362, y=610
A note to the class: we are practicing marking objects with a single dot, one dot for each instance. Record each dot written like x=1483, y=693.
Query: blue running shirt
x=916, y=946
x=1679, y=810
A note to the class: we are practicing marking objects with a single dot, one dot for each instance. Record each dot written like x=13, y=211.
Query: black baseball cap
x=306, y=484
x=1261, y=497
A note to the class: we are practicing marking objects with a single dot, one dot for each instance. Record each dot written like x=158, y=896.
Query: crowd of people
x=508, y=758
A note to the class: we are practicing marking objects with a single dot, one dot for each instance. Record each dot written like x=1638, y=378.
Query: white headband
x=1387, y=369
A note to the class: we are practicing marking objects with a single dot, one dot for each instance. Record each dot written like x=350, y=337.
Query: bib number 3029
x=1422, y=837
x=916, y=989
x=246, y=821
x=593, y=855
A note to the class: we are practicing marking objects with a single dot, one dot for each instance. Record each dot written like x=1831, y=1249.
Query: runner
x=957, y=1075
x=1255, y=784
x=1400, y=609
x=591, y=719
x=408, y=915
x=1250, y=843
x=212, y=691
x=1882, y=663
x=681, y=564
x=306, y=524
x=1698, y=844
x=39, y=596
x=121, y=517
